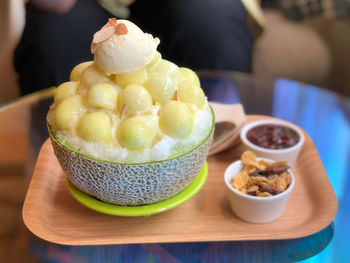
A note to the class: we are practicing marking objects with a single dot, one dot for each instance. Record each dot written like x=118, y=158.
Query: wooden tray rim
x=312, y=229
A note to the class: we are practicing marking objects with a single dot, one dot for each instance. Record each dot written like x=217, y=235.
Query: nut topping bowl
x=258, y=189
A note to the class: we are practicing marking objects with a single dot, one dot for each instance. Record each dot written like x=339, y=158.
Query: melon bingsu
x=130, y=127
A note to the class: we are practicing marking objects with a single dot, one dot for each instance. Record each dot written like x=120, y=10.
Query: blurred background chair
x=290, y=50
x=307, y=41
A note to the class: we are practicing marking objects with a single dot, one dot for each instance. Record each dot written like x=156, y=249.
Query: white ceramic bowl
x=289, y=154
x=252, y=208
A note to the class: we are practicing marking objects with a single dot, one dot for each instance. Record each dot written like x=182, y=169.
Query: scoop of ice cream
x=126, y=52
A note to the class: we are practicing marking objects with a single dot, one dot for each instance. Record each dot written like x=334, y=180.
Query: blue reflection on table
x=323, y=116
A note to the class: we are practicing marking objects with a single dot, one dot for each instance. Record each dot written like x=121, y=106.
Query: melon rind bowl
x=131, y=184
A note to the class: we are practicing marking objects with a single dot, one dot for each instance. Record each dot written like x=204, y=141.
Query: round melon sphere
x=65, y=90
x=176, y=120
x=91, y=75
x=190, y=75
x=78, y=69
x=95, y=127
x=68, y=112
x=136, y=77
x=161, y=87
x=190, y=92
x=135, y=134
x=136, y=99
x=166, y=67
x=102, y=95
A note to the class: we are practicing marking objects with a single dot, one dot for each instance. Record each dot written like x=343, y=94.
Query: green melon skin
x=131, y=184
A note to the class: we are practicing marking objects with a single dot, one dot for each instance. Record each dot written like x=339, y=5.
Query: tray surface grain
x=51, y=213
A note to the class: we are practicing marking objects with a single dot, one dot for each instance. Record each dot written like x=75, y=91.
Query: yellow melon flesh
x=78, y=70
x=176, y=120
x=134, y=134
x=65, y=90
x=68, y=112
x=190, y=75
x=136, y=77
x=102, y=95
x=190, y=92
x=136, y=99
x=95, y=127
x=161, y=87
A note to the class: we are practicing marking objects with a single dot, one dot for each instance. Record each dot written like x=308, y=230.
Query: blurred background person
x=199, y=34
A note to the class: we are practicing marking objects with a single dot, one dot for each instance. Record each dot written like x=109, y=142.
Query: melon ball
x=190, y=75
x=166, y=67
x=95, y=127
x=136, y=99
x=161, y=87
x=68, y=112
x=91, y=75
x=136, y=77
x=176, y=120
x=78, y=70
x=190, y=92
x=65, y=90
x=102, y=95
x=135, y=133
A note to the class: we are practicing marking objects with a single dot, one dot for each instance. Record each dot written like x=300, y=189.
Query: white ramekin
x=252, y=208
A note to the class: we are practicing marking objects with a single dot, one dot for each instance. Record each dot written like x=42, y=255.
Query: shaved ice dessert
x=130, y=115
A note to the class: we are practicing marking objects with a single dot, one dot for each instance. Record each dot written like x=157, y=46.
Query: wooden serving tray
x=51, y=213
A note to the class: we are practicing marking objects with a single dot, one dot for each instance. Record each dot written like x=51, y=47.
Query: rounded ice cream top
x=120, y=46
